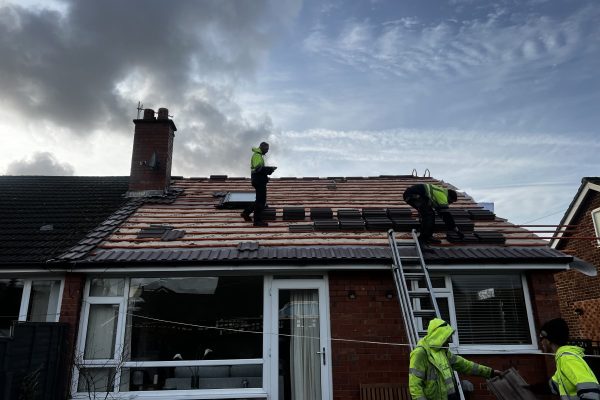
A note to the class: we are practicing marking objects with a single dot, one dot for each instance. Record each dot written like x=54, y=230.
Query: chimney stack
x=152, y=154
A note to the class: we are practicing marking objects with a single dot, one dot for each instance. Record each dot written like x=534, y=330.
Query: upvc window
x=171, y=333
x=35, y=300
x=489, y=311
x=596, y=220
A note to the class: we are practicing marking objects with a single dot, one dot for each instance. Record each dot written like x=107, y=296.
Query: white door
x=299, y=340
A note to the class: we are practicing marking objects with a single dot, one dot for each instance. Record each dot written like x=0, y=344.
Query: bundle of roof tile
x=405, y=224
x=399, y=213
x=491, y=237
x=349, y=213
x=378, y=223
x=293, y=213
x=321, y=213
x=482, y=215
x=374, y=213
x=352, y=224
x=326, y=225
x=468, y=237
x=302, y=228
x=269, y=214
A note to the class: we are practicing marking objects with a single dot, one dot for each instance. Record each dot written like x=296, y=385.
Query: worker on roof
x=260, y=177
x=573, y=378
x=432, y=365
x=428, y=199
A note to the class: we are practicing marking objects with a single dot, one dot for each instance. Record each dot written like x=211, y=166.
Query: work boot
x=246, y=216
x=260, y=223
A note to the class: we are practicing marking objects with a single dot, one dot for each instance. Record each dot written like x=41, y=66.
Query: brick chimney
x=152, y=153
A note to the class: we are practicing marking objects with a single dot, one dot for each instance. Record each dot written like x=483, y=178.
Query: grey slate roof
x=373, y=254
x=42, y=216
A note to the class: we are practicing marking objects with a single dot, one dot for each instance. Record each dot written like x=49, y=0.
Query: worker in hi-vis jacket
x=260, y=178
x=432, y=365
x=427, y=199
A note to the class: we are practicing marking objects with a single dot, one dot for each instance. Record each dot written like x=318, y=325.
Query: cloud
x=42, y=163
x=498, y=43
x=84, y=69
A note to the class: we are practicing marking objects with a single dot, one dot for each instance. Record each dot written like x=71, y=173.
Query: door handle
x=324, y=354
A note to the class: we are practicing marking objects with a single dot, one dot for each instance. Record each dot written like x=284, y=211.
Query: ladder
x=411, y=298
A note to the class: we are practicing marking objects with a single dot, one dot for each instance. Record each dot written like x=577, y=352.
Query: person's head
x=452, y=196
x=554, y=333
x=264, y=147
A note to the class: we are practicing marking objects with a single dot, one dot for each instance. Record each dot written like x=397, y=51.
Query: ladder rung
x=414, y=275
x=420, y=295
x=422, y=333
x=410, y=258
x=424, y=313
x=405, y=244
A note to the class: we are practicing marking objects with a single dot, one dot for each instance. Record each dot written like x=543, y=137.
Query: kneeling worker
x=428, y=199
x=432, y=365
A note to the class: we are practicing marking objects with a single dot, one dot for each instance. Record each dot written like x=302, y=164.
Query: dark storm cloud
x=86, y=68
x=40, y=164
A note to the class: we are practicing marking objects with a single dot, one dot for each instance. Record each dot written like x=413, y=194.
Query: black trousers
x=260, y=187
x=427, y=212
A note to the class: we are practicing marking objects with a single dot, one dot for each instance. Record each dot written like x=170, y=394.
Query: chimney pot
x=163, y=113
x=149, y=114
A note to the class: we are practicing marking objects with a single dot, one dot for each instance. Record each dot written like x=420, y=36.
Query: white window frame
x=596, y=224
x=455, y=345
x=235, y=393
x=26, y=294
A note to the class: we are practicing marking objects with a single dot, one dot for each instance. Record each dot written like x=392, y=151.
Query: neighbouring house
x=182, y=299
x=41, y=217
x=579, y=235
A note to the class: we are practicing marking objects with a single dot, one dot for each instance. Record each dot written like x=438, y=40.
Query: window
x=236, y=200
x=172, y=333
x=487, y=310
x=596, y=220
x=28, y=300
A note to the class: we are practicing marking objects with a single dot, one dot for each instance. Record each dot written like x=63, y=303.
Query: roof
x=587, y=184
x=42, y=216
x=206, y=233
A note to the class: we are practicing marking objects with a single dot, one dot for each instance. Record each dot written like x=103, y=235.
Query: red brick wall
x=70, y=310
x=573, y=286
x=373, y=317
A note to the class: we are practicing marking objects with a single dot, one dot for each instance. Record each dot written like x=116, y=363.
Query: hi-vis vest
x=573, y=378
x=430, y=375
x=437, y=194
x=257, y=161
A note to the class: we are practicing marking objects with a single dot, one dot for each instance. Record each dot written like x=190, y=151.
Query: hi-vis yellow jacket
x=430, y=376
x=257, y=161
x=573, y=378
x=437, y=194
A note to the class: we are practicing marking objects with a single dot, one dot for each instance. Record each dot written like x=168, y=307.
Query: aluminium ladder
x=411, y=298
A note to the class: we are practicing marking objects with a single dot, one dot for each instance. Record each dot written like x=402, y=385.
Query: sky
x=499, y=98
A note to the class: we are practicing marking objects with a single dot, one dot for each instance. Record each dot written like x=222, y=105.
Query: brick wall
x=574, y=287
x=371, y=316
x=70, y=310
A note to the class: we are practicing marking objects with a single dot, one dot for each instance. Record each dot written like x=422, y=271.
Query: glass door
x=299, y=344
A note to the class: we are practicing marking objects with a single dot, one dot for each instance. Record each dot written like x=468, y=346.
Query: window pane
x=214, y=314
x=43, y=301
x=442, y=303
x=11, y=291
x=96, y=380
x=596, y=217
x=101, y=331
x=184, y=378
x=437, y=282
x=107, y=287
x=490, y=309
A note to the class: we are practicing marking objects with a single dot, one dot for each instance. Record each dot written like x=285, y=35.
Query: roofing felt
x=213, y=232
x=42, y=216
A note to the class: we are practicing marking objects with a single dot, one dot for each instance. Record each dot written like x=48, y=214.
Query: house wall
x=70, y=312
x=373, y=317
x=580, y=294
